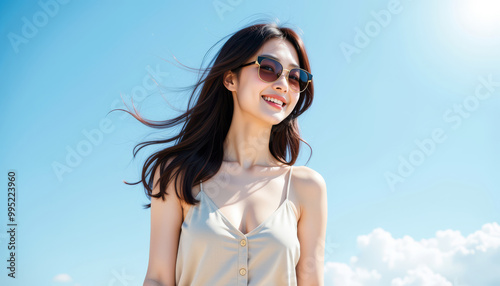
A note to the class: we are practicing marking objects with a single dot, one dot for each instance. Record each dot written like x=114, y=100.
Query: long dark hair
x=198, y=150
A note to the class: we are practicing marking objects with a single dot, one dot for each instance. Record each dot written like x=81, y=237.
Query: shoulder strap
x=289, y=181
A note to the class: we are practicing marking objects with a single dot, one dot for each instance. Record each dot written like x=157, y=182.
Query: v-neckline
x=210, y=201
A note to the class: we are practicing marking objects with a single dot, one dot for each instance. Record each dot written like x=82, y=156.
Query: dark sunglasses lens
x=270, y=70
x=297, y=79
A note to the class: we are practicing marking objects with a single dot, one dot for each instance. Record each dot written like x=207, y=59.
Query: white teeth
x=273, y=100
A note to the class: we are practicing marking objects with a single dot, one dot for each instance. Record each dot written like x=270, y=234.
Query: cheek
x=295, y=99
x=249, y=95
x=252, y=83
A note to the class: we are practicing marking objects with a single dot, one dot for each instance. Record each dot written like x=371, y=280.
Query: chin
x=277, y=120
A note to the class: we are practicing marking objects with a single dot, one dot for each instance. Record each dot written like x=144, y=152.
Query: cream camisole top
x=213, y=252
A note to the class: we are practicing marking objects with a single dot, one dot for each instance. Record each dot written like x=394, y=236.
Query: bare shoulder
x=309, y=187
x=308, y=181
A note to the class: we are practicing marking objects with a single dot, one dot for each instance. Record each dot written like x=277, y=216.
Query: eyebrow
x=276, y=59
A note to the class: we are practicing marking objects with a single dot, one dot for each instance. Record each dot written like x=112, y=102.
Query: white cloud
x=342, y=274
x=422, y=275
x=448, y=259
x=62, y=278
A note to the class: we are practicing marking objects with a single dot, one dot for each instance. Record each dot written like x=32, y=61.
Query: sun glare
x=480, y=17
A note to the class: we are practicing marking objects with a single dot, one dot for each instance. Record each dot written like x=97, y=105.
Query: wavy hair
x=197, y=153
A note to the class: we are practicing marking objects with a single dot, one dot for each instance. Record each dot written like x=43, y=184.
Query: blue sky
x=406, y=90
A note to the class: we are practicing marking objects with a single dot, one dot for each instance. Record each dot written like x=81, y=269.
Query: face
x=248, y=89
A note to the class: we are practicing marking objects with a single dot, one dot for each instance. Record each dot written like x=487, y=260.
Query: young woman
x=238, y=212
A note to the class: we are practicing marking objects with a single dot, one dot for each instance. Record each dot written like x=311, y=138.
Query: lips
x=279, y=98
x=276, y=105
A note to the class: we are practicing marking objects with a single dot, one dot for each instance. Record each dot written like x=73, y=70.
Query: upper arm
x=166, y=220
x=311, y=228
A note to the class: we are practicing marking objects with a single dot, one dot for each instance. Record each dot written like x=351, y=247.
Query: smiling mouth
x=278, y=102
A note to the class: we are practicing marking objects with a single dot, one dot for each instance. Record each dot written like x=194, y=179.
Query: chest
x=247, y=208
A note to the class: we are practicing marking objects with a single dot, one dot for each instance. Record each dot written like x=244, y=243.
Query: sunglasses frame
x=261, y=58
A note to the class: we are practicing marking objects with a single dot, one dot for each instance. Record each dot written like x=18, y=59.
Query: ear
x=230, y=80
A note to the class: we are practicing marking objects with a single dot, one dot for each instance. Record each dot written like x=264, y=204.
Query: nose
x=282, y=82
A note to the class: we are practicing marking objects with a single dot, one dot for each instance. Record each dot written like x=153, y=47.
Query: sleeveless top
x=214, y=252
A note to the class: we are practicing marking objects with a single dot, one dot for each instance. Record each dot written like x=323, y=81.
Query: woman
x=239, y=213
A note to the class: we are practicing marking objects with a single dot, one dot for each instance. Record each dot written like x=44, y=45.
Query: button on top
x=243, y=271
x=243, y=242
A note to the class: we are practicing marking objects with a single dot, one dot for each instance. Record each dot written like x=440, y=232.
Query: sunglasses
x=270, y=70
